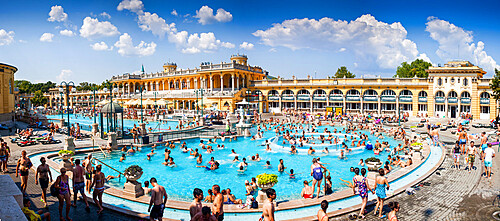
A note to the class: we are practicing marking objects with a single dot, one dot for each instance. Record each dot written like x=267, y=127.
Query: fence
x=175, y=135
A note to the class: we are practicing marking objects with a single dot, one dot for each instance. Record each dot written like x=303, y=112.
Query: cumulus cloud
x=185, y=42
x=132, y=5
x=174, y=13
x=126, y=47
x=206, y=15
x=101, y=46
x=455, y=42
x=93, y=28
x=67, y=32
x=64, y=75
x=247, y=46
x=6, y=37
x=105, y=15
x=369, y=39
x=342, y=50
x=57, y=14
x=273, y=50
x=46, y=37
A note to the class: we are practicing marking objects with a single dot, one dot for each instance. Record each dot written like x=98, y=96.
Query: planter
x=65, y=156
x=265, y=186
x=373, y=165
x=417, y=148
x=134, y=177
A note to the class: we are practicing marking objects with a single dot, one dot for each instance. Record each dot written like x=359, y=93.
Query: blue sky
x=69, y=40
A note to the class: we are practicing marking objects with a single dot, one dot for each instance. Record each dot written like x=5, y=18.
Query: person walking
x=456, y=155
x=488, y=155
x=381, y=184
x=361, y=183
x=158, y=200
x=79, y=184
x=98, y=185
x=23, y=168
x=89, y=170
x=62, y=186
x=42, y=177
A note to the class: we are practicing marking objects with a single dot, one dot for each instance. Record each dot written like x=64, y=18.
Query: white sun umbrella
x=148, y=102
x=130, y=102
x=162, y=102
x=103, y=102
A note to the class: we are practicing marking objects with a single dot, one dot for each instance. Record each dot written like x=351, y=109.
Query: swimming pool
x=86, y=122
x=182, y=179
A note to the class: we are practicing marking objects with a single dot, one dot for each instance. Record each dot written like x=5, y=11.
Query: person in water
x=307, y=191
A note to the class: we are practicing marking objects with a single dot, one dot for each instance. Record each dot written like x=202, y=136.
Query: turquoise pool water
x=86, y=122
x=181, y=180
x=430, y=162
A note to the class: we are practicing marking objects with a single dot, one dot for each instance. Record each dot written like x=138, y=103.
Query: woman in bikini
x=322, y=216
x=361, y=183
x=99, y=179
x=23, y=168
x=394, y=208
x=62, y=185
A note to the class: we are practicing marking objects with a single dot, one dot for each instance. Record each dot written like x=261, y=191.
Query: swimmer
x=241, y=170
x=243, y=163
x=361, y=163
x=257, y=157
x=291, y=174
x=268, y=165
x=326, y=150
x=233, y=152
x=281, y=166
x=152, y=152
x=310, y=151
x=122, y=158
x=236, y=159
x=199, y=160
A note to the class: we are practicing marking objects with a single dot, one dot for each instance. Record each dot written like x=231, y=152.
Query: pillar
x=211, y=83
x=232, y=82
x=379, y=105
x=397, y=105
x=310, y=104
x=196, y=83
x=279, y=102
x=295, y=102
x=221, y=82
x=238, y=82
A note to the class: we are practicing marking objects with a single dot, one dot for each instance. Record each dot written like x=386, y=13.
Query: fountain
x=243, y=127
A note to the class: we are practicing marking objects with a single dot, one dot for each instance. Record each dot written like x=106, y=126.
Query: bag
x=53, y=190
x=255, y=205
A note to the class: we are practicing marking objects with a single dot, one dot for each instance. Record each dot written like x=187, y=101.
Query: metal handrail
x=109, y=166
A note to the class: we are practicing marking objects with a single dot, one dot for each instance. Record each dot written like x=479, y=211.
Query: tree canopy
x=495, y=85
x=416, y=68
x=26, y=87
x=343, y=72
x=38, y=98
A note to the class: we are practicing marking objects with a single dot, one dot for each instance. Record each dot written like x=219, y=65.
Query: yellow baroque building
x=451, y=90
x=7, y=92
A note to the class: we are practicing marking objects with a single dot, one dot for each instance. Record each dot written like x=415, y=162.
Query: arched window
x=440, y=81
x=465, y=94
x=440, y=94
x=452, y=94
x=466, y=82
x=405, y=93
x=485, y=95
x=422, y=94
x=353, y=92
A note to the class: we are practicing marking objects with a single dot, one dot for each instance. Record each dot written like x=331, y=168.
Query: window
x=422, y=107
x=466, y=81
x=485, y=109
x=452, y=80
x=446, y=80
x=458, y=80
x=439, y=108
x=10, y=87
x=440, y=81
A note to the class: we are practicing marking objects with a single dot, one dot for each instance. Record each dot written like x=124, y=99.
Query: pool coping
x=287, y=205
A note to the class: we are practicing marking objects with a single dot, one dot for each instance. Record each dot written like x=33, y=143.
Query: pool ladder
x=109, y=166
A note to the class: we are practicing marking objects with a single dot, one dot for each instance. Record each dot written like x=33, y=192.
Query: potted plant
x=373, y=163
x=417, y=146
x=133, y=173
x=266, y=181
x=66, y=154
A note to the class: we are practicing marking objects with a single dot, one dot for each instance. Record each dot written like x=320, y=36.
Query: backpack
x=53, y=190
x=255, y=205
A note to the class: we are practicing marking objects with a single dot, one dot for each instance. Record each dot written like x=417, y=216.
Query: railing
x=288, y=97
x=109, y=166
x=319, y=97
x=422, y=99
x=388, y=98
x=465, y=100
x=406, y=98
x=452, y=100
x=303, y=97
x=439, y=99
x=336, y=98
x=273, y=98
x=370, y=98
x=353, y=98
x=484, y=101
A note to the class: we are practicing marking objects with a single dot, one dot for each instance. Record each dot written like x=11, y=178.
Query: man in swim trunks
x=79, y=184
x=217, y=207
x=488, y=155
x=471, y=153
x=158, y=199
x=463, y=139
x=42, y=176
x=89, y=169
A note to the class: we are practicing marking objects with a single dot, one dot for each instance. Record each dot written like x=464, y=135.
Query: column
x=157, y=86
x=221, y=83
x=327, y=100
x=279, y=102
x=379, y=105
x=310, y=104
x=361, y=107
x=196, y=83
x=163, y=85
x=232, y=82
x=188, y=84
x=295, y=102
x=343, y=101
x=238, y=82
x=211, y=83
x=397, y=105
x=446, y=106
x=459, y=108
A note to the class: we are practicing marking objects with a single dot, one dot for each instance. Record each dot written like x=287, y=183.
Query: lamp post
x=156, y=109
x=61, y=110
x=141, y=88
x=93, y=107
x=110, y=118
x=64, y=87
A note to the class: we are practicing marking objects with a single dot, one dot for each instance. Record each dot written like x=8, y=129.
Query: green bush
x=132, y=170
x=372, y=159
x=63, y=152
x=267, y=178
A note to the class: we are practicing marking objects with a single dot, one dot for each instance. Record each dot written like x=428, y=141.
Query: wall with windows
x=6, y=91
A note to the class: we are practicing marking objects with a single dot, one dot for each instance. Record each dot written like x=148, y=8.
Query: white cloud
x=131, y=5
x=206, y=15
x=67, y=32
x=57, y=14
x=6, y=37
x=22, y=41
x=247, y=46
x=105, y=15
x=46, y=37
x=455, y=42
x=174, y=13
x=424, y=57
x=64, y=75
x=342, y=50
x=101, y=46
x=185, y=42
x=92, y=28
x=370, y=40
x=126, y=47
x=273, y=50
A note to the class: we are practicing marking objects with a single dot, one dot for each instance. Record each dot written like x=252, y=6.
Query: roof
x=116, y=108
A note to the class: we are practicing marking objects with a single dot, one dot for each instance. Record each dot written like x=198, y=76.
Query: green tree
x=416, y=68
x=343, y=72
x=38, y=98
x=495, y=85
